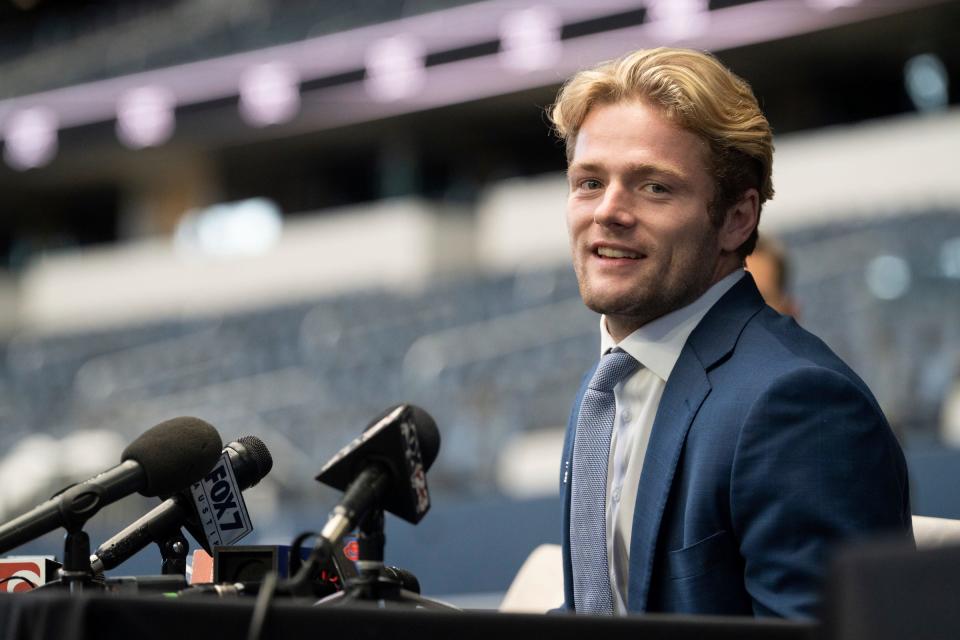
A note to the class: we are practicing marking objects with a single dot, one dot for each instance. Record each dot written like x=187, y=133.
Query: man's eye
x=656, y=188
x=590, y=184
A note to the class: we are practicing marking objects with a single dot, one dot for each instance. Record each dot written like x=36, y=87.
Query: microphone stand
x=77, y=575
x=173, y=552
x=373, y=585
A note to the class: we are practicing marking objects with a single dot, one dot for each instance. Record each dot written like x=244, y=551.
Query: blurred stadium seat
x=490, y=356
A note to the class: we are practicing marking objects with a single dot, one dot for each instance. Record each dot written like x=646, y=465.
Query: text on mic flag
x=219, y=501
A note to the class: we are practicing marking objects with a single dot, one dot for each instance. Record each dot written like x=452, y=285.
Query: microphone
x=385, y=467
x=251, y=462
x=164, y=459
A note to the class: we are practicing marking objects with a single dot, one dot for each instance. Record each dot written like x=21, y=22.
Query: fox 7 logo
x=418, y=476
x=219, y=502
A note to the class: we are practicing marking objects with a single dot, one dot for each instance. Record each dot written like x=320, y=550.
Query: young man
x=717, y=451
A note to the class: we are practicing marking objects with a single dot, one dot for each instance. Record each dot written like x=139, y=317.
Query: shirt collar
x=657, y=344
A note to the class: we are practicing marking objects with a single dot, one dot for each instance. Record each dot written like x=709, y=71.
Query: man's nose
x=616, y=208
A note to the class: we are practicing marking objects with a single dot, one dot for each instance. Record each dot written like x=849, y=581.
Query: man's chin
x=615, y=305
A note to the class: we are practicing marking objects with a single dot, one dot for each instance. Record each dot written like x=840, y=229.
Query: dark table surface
x=63, y=616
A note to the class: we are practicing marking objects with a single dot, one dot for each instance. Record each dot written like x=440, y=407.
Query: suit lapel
x=685, y=391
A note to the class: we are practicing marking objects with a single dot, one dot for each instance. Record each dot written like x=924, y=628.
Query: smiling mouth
x=607, y=252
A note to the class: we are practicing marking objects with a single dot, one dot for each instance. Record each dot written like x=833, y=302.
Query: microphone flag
x=224, y=518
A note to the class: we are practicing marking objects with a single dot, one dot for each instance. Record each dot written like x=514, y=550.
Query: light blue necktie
x=588, y=514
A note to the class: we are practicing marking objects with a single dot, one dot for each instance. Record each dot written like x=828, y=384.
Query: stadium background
x=283, y=217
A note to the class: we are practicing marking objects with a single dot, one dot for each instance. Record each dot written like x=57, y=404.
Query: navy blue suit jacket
x=766, y=449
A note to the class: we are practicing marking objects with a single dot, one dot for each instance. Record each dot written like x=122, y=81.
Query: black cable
x=298, y=585
x=264, y=597
x=295, y=559
x=32, y=584
x=301, y=582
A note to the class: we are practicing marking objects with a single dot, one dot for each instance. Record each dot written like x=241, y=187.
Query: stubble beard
x=645, y=302
x=635, y=308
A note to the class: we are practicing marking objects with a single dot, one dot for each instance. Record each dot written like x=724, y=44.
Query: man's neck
x=621, y=326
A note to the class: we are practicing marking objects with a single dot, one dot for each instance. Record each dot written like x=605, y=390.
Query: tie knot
x=614, y=367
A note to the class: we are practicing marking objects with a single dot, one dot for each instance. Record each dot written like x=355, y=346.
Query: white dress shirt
x=656, y=346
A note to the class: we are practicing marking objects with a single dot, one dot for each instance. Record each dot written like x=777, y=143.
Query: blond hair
x=698, y=93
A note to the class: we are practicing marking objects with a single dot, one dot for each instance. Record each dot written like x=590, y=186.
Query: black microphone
x=385, y=467
x=251, y=462
x=164, y=459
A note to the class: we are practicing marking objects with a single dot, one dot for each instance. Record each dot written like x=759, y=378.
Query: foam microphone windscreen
x=175, y=454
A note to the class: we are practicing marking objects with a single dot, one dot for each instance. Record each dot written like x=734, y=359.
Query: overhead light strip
x=399, y=74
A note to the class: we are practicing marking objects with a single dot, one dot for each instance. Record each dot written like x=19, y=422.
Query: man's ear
x=740, y=221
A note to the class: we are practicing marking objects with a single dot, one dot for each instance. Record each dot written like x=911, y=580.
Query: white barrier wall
x=522, y=224
x=394, y=244
x=881, y=167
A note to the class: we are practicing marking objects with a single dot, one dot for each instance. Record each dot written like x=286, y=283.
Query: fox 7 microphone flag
x=219, y=501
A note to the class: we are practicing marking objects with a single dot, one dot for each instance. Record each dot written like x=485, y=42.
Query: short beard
x=637, y=308
x=633, y=311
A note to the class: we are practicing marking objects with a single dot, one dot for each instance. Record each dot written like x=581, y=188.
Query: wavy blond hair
x=698, y=93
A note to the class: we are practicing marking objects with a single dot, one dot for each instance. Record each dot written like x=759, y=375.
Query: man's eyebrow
x=588, y=167
x=640, y=168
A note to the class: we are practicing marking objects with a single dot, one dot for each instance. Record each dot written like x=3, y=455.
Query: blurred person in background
x=717, y=451
x=950, y=415
x=770, y=268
